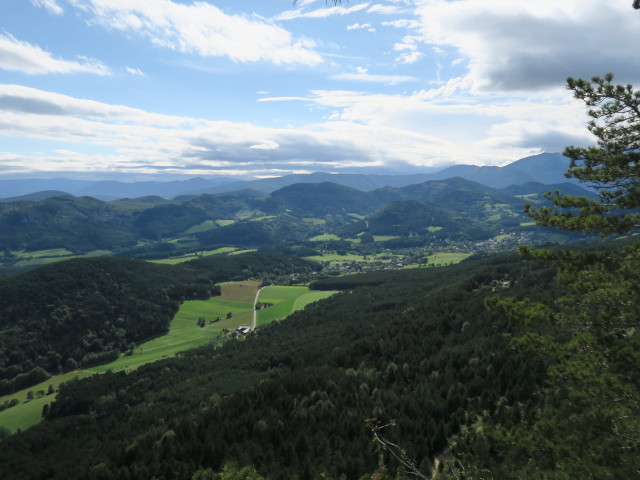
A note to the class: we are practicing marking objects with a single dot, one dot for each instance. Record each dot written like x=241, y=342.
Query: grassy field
x=29, y=412
x=384, y=238
x=193, y=256
x=202, y=227
x=55, y=252
x=184, y=333
x=44, y=257
x=325, y=237
x=286, y=300
x=314, y=221
x=248, y=250
x=333, y=257
x=445, y=258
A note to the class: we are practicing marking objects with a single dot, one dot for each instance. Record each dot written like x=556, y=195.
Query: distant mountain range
x=447, y=208
x=545, y=168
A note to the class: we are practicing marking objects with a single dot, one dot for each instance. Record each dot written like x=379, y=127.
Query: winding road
x=255, y=312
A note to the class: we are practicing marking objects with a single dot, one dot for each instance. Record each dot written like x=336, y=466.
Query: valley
x=400, y=311
x=447, y=215
x=221, y=316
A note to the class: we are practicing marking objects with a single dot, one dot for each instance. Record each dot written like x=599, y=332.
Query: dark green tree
x=612, y=167
x=586, y=422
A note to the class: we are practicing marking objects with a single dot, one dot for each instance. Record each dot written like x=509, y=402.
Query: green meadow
x=192, y=256
x=44, y=257
x=184, y=333
x=29, y=412
x=324, y=238
x=446, y=258
x=286, y=300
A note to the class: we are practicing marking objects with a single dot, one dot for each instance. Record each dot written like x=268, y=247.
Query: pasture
x=286, y=300
x=192, y=256
x=446, y=258
x=184, y=331
x=29, y=412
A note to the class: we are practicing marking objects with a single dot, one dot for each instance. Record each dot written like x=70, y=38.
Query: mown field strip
x=286, y=300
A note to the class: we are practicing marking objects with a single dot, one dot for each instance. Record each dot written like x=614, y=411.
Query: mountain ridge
x=545, y=168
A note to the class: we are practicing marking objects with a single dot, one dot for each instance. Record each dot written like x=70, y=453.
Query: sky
x=159, y=89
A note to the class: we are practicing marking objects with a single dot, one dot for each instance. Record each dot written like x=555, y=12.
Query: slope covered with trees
x=87, y=311
x=293, y=399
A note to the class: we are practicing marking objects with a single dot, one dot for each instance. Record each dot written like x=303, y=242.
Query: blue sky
x=257, y=88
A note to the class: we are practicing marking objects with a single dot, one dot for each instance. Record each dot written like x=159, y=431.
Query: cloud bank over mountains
x=165, y=86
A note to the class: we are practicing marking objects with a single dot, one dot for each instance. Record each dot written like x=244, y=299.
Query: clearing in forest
x=286, y=300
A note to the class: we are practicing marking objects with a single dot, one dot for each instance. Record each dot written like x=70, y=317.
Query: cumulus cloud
x=409, y=49
x=521, y=45
x=24, y=57
x=203, y=29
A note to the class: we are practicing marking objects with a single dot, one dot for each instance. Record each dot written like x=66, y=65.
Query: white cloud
x=402, y=23
x=362, y=75
x=409, y=49
x=135, y=71
x=321, y=12
x=50, y=5
x=478, y=129
x=384, y=9
x=358, y=26
x=20, y=56
x=409, y=57
x=523, y=45
x=267, y=145
x=203, y=29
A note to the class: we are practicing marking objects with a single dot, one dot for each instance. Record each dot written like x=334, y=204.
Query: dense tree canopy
x=612, y=167
x=585, y=422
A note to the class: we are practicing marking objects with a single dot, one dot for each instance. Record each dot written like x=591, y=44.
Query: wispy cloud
x=362, y=75
x=321, y=12
x=51, y=5
x=135, y=71
x=384, y=9
x=20, y=56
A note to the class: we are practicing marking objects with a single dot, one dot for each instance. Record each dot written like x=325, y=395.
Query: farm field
x=286, y=300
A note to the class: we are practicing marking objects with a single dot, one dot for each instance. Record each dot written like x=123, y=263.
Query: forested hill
x=83, y=225
x=87, y=311
x=292, y=400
